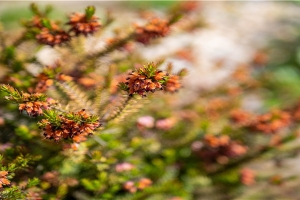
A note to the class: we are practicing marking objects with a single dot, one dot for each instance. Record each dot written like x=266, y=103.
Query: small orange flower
x=68, y=128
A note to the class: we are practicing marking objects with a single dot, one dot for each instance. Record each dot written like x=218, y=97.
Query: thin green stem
x=109, y=49
x=120, y=110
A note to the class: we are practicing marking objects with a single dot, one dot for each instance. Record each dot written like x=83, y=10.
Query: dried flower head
x=32, y=104
x=154, y=29
x=52, y=37
x=84, y=23
x=145, y=79
x=68, y=125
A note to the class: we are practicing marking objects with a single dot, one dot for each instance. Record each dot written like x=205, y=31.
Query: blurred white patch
x=47, y=55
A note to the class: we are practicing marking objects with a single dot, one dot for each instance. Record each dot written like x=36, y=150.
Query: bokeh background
x=223, y=37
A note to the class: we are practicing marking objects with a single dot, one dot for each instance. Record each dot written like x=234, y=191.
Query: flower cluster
x=50, y=33
x=155, y=28
x=241, y=117
x=32, y=104
x=140, y=185
x=52, y=36
x=3, y=178
x=84, y=23
x=268, y=123
x=149, y=79
x=272, y=122
x=36, y=108
x=68, y=125
x=219, y=149
x=46, y=78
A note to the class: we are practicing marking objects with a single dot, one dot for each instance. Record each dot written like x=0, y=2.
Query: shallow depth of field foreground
x=170, y=100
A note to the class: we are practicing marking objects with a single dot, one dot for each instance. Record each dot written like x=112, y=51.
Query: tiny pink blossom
x=145, y=122
x=122, y=167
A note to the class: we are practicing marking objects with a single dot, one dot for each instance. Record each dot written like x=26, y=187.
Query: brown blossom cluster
x=144, y=80
x=71, y=125
x=272, y=122
x=241, y=117
x=81, y=24
x=35, y=108
x=3, y=178
x=219, y=149
x=141, y=84
x=149, y=79
x=53, y=36
x=132, y=186
x=268, y=123
x=50, y=33
x=247, y=176
x=154, y=29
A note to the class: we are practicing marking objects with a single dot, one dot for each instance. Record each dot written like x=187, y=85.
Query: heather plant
x=107, y=124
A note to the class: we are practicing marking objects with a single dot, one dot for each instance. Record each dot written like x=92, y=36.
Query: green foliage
x=89, y=12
